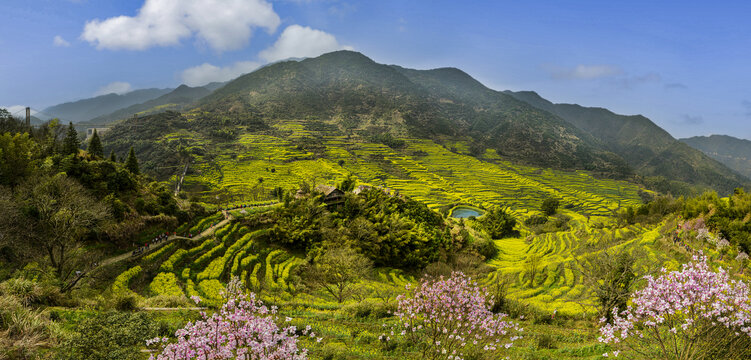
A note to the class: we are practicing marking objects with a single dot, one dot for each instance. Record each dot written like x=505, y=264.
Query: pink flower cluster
x=242, y=329
x=694, y=225
x=449, y=317
x=676, y=306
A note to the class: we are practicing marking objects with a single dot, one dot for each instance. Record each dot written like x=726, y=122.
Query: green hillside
x=289, y=152
x=348, y=94
x=733, y=152
x=649, y=149
x=360, y=97
x=329, y=189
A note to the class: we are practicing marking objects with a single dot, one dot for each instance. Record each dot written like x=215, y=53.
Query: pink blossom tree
x=694, y=313
x=451, y=318
x=242, y=329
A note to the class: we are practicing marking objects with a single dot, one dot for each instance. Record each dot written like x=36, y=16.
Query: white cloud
x=59, y=41
x=117, y=87
x=222, y=24
x=206, y=73
x=301, y=41
x=586, y=72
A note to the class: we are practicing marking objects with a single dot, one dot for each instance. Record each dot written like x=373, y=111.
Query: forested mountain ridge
x=87, y=109
x=731, y=151
x=358, y=95
x=348, y=93
x=177, y=99
x=649, y=149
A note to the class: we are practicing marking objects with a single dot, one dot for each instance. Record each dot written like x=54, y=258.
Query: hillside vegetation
x=662, y=161
x=310, y=209
x=733, y=152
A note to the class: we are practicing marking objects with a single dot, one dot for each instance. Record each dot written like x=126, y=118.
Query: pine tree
x=113, y=157
x=132, y=163
x=95, y=146
x=71, y=144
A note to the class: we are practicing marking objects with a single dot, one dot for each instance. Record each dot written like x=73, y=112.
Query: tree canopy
x=95, y=146
x=71, y=143
x=132, y=163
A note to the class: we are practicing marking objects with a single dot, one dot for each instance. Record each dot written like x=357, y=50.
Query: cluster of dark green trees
x=58, y=201
x=729, y=216
x=389, y=230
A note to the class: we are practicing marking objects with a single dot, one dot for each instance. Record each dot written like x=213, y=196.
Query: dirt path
x=205, y=233
x=128, y=255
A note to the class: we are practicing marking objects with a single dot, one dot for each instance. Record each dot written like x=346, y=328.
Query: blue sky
x=685, y=65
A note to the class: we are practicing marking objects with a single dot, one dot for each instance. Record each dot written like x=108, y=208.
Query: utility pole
x=28, y=117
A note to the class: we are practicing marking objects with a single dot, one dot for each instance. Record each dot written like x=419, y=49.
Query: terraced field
x=423, y=169
x=541, y=269
x=544, y=269
x=201, y=268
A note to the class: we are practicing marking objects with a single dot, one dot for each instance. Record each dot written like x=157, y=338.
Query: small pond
x=462, y=212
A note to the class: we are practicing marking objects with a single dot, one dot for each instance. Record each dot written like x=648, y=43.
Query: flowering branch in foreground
x=242, y=329
x=689, y=314
x=449, y=318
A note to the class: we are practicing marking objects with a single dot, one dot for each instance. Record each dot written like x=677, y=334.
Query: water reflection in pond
x=464, y=212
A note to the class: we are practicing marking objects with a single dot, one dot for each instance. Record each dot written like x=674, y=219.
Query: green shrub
x=185, y=274
x=205, y=258
x=535, y=220
x=168, y=301
x=499, y=223
x=175, y=258
x=369, y=310
x=125, y=302
x=110, y=335
x=334, y=351
x=550, y=206
x=156, y=254
x=120, y=285
x=545, y=341
x=31, y=292
x=198, y=249
x=486, y=248
x=211, y=289
x=165, y=284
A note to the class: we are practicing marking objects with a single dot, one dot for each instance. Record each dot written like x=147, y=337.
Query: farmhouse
x=332, y=195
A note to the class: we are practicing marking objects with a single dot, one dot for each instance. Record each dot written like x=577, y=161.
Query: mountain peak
x=344, y=55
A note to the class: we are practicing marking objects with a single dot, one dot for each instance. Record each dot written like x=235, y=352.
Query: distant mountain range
x=733, y=152
x=348, y=93
x=649, y=149
x=107, y=108
x=87, y=109
x=177, y=99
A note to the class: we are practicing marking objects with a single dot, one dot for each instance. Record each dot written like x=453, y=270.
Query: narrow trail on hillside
x=182, y=177
x=129, y=255
x=205, y=233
